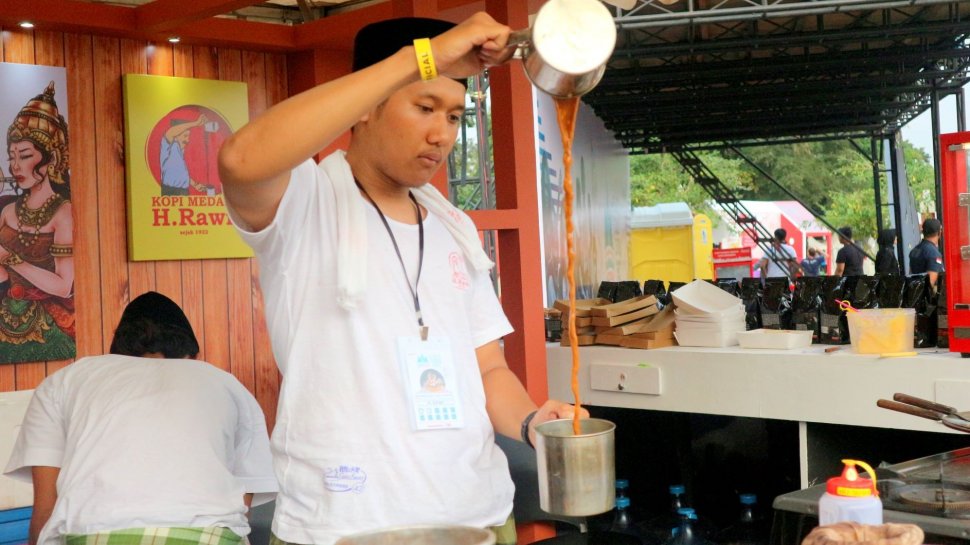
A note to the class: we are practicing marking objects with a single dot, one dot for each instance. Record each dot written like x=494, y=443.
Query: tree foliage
x=659, y=178
x=832, y=177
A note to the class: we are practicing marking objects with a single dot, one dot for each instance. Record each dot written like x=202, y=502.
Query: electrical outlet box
x=632, y=378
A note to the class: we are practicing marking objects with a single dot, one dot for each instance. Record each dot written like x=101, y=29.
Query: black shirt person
x=925, y=257
x=886, y=262
x=848, y=262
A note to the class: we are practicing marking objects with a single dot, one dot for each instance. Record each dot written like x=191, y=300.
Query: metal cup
x=587, y=26
x=577, y=473
x=422, y=535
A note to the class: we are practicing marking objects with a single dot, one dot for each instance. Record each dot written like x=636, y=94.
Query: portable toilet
x=667, y=242
x=703, y=241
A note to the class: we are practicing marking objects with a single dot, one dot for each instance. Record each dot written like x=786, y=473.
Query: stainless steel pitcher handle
x=520, y=40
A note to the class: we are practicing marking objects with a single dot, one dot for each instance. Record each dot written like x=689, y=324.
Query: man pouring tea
x=370, y=277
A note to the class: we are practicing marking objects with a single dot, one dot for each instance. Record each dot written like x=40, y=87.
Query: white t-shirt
x=783, y=254
x=145, y=442
x=344, y=451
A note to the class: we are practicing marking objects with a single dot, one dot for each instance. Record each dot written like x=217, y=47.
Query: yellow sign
x=173, y=130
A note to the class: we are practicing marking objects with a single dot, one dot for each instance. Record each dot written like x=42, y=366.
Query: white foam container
x=700, y=297
x=706, y=338
x=776, y=339
x=709, y=317
x=730, y=325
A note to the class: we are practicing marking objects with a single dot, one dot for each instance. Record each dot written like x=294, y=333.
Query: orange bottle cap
x=850, y=484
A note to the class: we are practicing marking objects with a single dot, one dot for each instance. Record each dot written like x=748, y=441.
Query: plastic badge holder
x=776, y=339
x=701, y=296
x=882, y=331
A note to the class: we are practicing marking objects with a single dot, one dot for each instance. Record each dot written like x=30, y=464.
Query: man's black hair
x=886, y=237
x=931, y=226
x=154, y=324
x=846, y=232
x=781, y=235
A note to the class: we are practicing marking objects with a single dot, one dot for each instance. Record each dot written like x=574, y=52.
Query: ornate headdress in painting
x=40, y=123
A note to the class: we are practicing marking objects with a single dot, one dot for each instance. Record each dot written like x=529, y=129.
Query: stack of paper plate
x=707, y=315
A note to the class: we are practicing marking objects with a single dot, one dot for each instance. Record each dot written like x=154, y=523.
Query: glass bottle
x=622, y=522
x=661, y=527
x=685, y=533
x=749, y=528
x=622, y=488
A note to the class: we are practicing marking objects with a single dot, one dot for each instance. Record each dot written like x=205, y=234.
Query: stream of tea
x=566, y=109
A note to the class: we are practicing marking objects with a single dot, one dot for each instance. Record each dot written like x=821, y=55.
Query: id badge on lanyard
x=430, y=383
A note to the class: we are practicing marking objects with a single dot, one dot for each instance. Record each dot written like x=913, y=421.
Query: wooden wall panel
x=108, y=126
x=215, y=296
x=267, y=376
x=19, y=47
x=141, y=274
x=239, y=271
x=220, y=296
x=84, y=195
x=49, y=48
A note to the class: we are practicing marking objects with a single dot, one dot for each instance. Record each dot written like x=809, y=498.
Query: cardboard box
x=635, y=342
x=583, y=306
x=625, y=307
x=614, y=320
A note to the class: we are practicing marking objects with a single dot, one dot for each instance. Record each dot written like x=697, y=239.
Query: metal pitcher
x=577, y=473
x=565, y=51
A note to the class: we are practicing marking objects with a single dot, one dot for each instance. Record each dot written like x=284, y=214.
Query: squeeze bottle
x=851, y=498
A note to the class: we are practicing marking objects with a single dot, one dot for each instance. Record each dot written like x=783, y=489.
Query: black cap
x=846, y=232
x=378, y=41
x=931, y=226
x=157, y=308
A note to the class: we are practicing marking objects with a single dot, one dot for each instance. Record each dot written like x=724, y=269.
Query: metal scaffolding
x=693, y=75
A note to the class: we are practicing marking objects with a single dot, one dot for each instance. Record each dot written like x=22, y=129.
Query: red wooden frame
x=956, y=229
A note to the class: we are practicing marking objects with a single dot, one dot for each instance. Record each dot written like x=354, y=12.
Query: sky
x=919, y=131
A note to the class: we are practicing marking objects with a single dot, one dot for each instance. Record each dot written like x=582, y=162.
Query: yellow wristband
x=422, y=50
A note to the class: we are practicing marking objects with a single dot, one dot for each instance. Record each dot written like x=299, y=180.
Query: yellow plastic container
x=703, y=239
x=882, y=331
x=669, y=242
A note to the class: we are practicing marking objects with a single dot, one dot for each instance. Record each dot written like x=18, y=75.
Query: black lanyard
x=414, y=290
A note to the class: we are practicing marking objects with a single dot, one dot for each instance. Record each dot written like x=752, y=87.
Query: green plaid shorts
x=212, y=535
x=504, y=534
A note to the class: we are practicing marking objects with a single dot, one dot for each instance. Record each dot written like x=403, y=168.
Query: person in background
x=145, y=445
x=780, y=252
x=925, y=257
x=814, y=264
x=369, y=274
x=848, y=261
x=886, y=262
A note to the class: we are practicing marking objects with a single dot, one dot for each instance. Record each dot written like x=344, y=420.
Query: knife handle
x=924, y=403
x=909, y=409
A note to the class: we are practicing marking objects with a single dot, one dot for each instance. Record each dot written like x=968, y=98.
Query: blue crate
x=14, y=525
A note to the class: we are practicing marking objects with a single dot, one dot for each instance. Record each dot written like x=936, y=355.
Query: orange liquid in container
x=566, y=109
